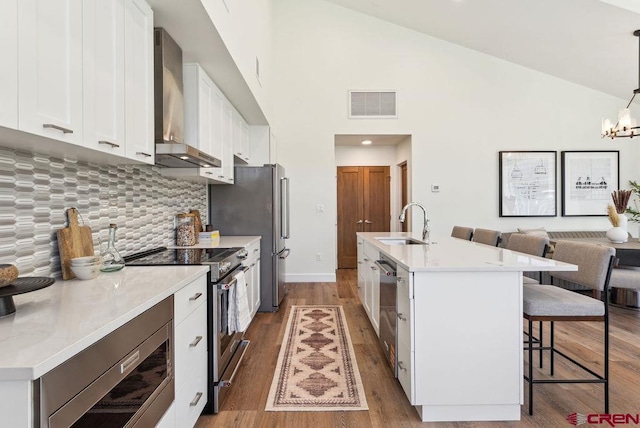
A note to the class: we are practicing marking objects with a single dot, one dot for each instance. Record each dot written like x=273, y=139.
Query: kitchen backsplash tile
x=36, y=190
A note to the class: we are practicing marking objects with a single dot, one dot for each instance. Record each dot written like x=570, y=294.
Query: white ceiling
x=588, y=42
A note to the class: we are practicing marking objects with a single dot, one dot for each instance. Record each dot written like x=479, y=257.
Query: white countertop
x=53, y=324
x=452, y=254
x=224, y=242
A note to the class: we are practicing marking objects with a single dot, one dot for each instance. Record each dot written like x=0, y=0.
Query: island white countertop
x=223, y=242
x=447, y=254
x=53, y=324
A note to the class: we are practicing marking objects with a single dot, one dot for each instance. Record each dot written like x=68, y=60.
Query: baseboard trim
x=310, y=277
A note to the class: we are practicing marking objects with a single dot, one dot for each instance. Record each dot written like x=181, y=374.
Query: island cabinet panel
x=371, y=275
x=456, y=362
x=361, y=270
x=405, y=329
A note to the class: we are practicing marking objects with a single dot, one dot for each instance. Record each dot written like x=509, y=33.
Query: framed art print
x=528, y=184
x=588, y=178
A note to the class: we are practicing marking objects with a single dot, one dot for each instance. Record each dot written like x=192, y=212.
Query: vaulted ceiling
x=588, y=42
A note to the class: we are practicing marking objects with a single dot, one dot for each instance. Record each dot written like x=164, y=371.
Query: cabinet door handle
x=195, y=296
x=253, y=264
x=400, y=279
x=221, y=176
x=59, y=128
x=195, y=342
x=143, y=154
x=401, y=317
x=195, y=400
x=401, y=366
x=359, y=262
x=208, y=172
x=373, y=268
x=256, y=249
x=109, y=143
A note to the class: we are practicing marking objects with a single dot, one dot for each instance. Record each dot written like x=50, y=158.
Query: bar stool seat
x=548, y=300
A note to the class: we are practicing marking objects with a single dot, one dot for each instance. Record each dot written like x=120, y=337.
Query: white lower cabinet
x=190, y=352
x=191, y=395
x=252, y=276
x=169, y=418
x=371, y=275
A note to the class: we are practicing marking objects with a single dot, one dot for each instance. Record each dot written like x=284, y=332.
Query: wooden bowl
x=8, y=274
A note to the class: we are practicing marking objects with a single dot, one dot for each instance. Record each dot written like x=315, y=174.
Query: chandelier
x=626, y=127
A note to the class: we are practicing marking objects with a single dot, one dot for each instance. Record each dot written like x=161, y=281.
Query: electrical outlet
x=435, y=188
x=318, y=257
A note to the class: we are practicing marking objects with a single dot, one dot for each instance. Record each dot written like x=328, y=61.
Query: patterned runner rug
x=317, y=369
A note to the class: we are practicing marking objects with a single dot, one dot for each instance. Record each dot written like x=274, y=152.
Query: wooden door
x=363, y=206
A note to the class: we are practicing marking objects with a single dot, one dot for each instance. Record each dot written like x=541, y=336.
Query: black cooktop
x=181, y=256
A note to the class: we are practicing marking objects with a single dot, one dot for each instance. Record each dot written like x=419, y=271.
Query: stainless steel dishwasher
x=388, y=310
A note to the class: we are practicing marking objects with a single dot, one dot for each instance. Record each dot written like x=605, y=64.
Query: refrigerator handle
x=284, y=253
x=284, y=208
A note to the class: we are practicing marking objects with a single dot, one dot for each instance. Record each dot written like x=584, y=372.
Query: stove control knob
x=224, y=267
x=242, y=254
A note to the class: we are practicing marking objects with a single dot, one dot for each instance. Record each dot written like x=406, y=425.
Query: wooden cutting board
x=197, y=222
x=73, y=241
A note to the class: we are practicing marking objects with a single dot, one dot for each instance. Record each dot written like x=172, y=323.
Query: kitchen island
x=459, y=327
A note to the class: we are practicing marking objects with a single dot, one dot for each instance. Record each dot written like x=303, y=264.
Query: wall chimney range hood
x=171, y=149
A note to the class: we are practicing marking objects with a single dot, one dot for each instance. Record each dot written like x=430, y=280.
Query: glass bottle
x=111, y=258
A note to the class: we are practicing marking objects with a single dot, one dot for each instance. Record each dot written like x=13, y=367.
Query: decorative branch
x=621, y=200
x=613, y=215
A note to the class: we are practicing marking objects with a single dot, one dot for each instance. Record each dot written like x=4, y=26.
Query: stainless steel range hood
x=171, y=149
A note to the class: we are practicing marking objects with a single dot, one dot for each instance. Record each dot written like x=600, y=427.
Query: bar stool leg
x=530, y=367
x=551, y=338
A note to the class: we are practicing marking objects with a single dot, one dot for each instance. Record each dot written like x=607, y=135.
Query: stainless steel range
x=226, y=350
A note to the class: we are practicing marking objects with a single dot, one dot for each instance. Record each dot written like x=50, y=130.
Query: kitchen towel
x=239, y=314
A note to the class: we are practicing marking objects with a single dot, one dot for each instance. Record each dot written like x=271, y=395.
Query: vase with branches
x=617, y=217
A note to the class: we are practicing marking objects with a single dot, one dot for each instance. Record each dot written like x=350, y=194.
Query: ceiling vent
x=373, y=104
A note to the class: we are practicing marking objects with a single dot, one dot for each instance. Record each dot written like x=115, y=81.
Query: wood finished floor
x=388, y=405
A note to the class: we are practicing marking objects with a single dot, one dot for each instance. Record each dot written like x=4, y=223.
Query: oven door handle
x=228, y=285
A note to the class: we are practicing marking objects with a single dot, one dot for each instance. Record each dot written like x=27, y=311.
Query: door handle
x=368, y=222
x=359, y=222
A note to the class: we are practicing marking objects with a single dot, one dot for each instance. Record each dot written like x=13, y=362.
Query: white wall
x=461, y=107
x=245, y=27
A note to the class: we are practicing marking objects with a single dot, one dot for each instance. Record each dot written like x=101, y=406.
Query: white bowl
x=86, y=272
x=87, y=260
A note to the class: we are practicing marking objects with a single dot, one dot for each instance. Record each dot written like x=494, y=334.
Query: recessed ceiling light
x=366, y=142
x=184, y=157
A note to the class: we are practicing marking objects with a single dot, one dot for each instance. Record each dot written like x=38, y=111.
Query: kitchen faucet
x=425, y=224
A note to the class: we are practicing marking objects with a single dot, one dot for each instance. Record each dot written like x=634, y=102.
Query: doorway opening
x=372, y=184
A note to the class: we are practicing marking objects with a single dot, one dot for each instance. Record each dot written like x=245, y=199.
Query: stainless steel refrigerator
x=257, y=204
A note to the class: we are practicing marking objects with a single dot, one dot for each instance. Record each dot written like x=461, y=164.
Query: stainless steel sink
x=400, y=241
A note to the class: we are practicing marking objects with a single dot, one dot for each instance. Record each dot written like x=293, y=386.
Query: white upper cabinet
x=240, y=137
x=50, y=68
x=202, y=111
x=103, y=75
x=138, y=36
x=9, y=69
x=227, y=140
